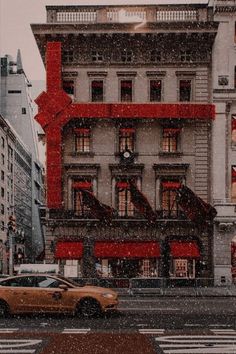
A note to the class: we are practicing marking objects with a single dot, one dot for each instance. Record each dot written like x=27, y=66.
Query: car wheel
x=4, y=310
x=89, y=308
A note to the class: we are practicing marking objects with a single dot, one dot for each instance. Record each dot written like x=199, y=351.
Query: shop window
x=69, y=87
x=97, y=90
x=170, y=140
x=126, y=139
x=124, y=205
x=80, y=208
x=168, y=198
x=97, y=56
x=68, y=56
x=155, y=90
x=233, y=184
x=126, y=90
x=82, y=139
x=181, y=268
x=127, y=56
x=185, y=90
x=155, y=56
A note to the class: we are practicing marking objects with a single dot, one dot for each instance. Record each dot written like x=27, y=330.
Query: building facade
x=128, y=118
x=16, y=108
x=224, y=153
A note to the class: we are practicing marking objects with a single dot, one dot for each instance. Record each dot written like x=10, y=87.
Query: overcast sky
x=15, y=32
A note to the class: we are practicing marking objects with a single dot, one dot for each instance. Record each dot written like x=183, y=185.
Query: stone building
x=128, y=118
x=223, y=142
x=16, y=108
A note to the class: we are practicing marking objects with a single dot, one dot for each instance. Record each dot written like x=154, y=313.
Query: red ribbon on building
x=99, y=210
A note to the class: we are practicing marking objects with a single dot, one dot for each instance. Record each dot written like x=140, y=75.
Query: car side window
x=47, y=282
x=19, y=282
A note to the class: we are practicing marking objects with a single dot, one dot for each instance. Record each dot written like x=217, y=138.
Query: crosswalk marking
x=193, y=344
x=223, y=331
x=14, y=346
x=8, y=330
x=76, y=330
x=151, y=331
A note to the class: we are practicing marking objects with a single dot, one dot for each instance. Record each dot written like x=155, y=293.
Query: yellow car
x=53, y=293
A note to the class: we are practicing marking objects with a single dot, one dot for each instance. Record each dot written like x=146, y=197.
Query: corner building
x=128, y=117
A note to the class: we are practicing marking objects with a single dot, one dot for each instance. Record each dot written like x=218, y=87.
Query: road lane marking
x=76, y=330
x=147, y=309
x=223, y=331
x=151, y=331
x=18, y=346
x=8, y=330
x=193, y=344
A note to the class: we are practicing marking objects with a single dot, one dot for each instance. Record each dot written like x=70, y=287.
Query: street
x=142, y=325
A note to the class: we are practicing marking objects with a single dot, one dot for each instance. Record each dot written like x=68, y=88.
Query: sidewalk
x=220, y=291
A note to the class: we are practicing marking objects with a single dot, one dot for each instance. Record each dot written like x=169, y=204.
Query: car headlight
x=108, y=295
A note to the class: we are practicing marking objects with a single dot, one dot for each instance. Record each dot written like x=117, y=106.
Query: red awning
x=82, y=185
x=184, y=249
x=69, y=250
x=127, y=130
x=82, y=131
x=171, y=185
x=127, y=250
x=172, y=131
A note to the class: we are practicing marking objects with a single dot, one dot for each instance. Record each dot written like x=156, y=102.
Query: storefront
x=69, y=255
x=127, y=259
x=183, y=259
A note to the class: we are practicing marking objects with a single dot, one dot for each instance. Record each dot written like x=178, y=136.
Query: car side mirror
x=63, y=287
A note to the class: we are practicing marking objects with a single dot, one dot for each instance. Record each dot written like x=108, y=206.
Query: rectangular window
x=185, y=55
x=97, y=56
x=127, y=56
x=170, y=139
x=3, y=159
x=126, y=139
x=233, y=184
x=155, y=56
x=2, y=142
x=124, y=205
x=2, y=175
x=2, y=226
x=155, y=90
x=82, y=139
x=14, y=91
x=23, y=110
x=68, y=56
x=80, y=208
x=233, y=129
x=2, y=192
x=235, y=32
x=126, y=90
x=2, y=209
x=97, y=90
x=168, y=198
x=68, y=86
x=185, y=90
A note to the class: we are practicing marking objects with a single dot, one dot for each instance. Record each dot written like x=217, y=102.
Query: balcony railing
x=125, y=14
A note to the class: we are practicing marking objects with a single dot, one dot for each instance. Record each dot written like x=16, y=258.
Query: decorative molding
x=126, y=73
x=127, y=170
x=155, y=73
x=97, y=73
x=185, y=73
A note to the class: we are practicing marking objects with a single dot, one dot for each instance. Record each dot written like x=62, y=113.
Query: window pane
x=155, y=90
x=185, y=90
x=82, y=141
x=126, y=90
x=97, y=91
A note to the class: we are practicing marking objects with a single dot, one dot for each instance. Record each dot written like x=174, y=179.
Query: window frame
x=120, y=89
x=91, y=89
x=77, y=136
x=149, y=89
x=191, y=80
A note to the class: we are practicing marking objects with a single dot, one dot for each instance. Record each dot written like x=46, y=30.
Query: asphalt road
x=141, y=326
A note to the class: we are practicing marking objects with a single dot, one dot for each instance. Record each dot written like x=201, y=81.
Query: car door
x=18, y=292
x=50, y=297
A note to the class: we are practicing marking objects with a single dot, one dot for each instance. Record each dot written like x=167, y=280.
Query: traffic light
x=11, y=225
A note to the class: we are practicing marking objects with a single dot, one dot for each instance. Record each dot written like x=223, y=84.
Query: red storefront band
x=69, y=250
x=127, y=250
x=184, y=249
